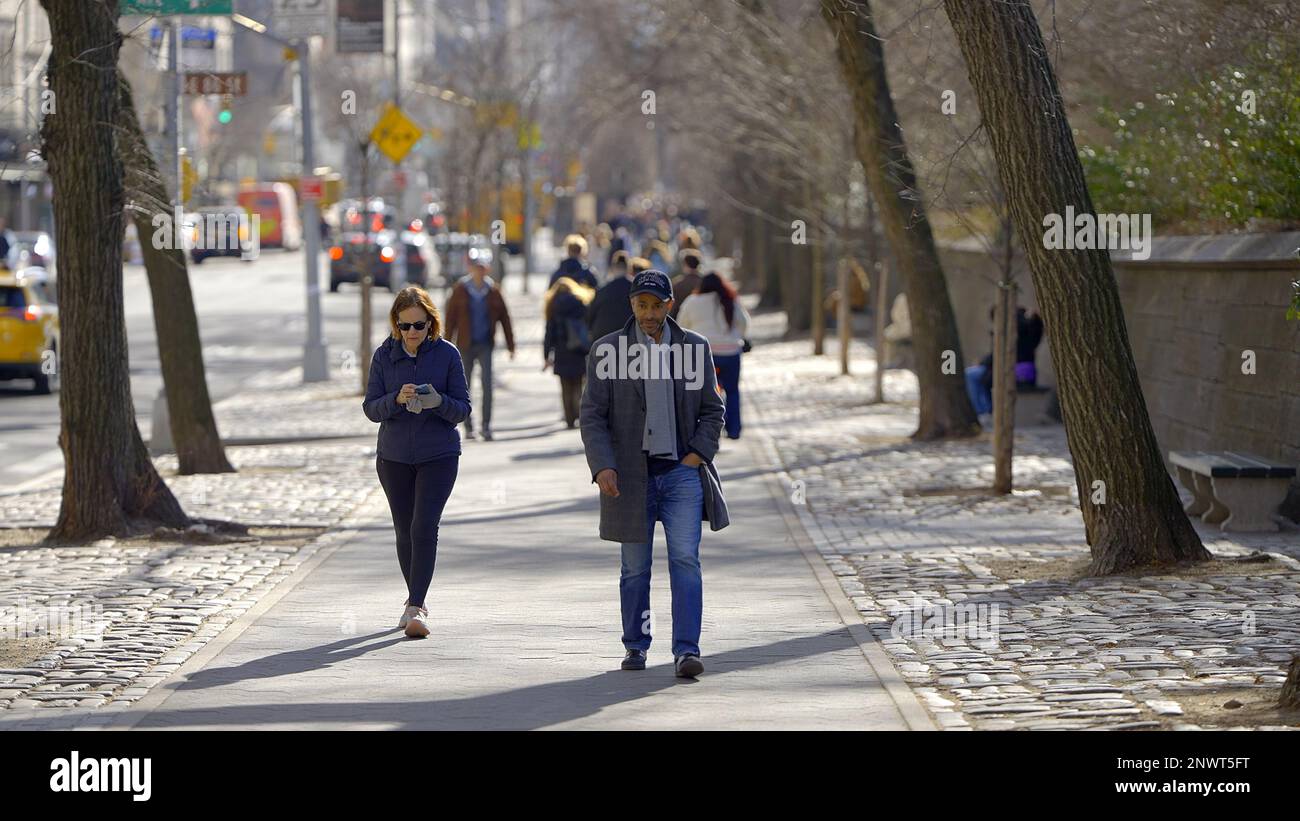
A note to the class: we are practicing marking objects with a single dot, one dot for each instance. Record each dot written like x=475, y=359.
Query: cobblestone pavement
x=913, y=539
x=131, y=613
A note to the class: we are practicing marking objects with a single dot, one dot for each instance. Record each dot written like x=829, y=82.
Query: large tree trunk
x=945, y=409
x=193, y=428
x=110, y=486
x=1134, y=517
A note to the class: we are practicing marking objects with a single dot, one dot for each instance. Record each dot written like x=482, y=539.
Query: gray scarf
x=660, y=435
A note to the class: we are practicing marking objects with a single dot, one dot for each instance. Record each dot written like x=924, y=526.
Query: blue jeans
x=980, y=396
x=677, y=499
x=728, y=367
x=480, y=353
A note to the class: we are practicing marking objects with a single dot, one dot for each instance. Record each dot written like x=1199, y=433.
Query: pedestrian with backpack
x=567, y=340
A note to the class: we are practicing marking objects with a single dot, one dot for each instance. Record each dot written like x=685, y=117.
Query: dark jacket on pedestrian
x=459, y=328
x=576, y=270
x=565, y=308
x=408, y=437
x=613, y=422
x=611, y=308
x=683, y=286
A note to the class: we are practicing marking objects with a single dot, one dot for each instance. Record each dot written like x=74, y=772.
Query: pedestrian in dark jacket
x=685, y=283
x=567, y=340
x=650, y=435
x=417, y=394
x=574, y=266
x=611, y=309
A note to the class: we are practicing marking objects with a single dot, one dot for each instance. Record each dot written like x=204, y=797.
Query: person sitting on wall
x=979, y=378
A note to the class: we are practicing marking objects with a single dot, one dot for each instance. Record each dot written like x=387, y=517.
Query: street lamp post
x=315, y=354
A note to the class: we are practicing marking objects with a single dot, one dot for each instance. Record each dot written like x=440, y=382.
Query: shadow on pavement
x=524, y=708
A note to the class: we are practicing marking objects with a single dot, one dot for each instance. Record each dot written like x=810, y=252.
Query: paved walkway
x=524, y=608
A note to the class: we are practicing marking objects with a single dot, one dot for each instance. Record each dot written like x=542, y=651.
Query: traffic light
x=225, y=116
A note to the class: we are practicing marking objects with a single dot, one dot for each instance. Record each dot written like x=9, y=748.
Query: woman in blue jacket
x=417, y=394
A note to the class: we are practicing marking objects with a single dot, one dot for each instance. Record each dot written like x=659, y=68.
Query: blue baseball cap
x=652, y=282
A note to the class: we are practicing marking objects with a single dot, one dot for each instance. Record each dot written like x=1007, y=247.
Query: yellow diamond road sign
x=395, y=133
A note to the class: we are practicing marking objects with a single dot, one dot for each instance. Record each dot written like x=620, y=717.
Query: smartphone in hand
x=424, y=389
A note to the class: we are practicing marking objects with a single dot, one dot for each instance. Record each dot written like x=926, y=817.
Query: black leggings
x=416, y=496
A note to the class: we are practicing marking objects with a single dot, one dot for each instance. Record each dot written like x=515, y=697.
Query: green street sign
x=162, y=8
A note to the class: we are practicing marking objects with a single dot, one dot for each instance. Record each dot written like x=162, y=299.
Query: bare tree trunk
x=110, y=486
x=769, y=274
x=1130, y=507
x=1289, y=699
x=193, y=428
x=878, y=332
x=817, y=285
x=844, y=316
x=1004, y=386
x=750, y=280
x=795, y=290
x=945, y=409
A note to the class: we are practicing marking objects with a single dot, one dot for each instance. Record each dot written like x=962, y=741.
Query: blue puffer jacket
x=408, y=437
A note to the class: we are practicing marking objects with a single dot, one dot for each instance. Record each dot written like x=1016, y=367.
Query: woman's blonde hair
x=415, y=297
x=584, y=294
x=576, y=243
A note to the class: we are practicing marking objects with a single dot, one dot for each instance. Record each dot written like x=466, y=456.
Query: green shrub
x=1198, y=154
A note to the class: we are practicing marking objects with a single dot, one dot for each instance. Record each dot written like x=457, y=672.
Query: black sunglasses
x=406, y=326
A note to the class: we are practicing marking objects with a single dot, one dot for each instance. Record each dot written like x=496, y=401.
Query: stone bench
x=1237, y=491
x=1034, y=405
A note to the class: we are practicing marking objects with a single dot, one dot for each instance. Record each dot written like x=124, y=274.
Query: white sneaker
x=417, y=625
x=406, y=615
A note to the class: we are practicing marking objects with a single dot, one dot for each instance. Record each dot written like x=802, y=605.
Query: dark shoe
x=487, y=436
x=688, y=666
x=469, y=434
x=634, y=660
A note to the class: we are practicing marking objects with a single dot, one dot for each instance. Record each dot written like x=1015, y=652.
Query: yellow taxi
x=29, y=331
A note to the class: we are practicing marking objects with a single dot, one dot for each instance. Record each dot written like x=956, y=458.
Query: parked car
x=453, y=250
x=371, y=237
x=435, y=222
x=414, y=246
x=216, y=231
x=31, y=249
x=29, y=328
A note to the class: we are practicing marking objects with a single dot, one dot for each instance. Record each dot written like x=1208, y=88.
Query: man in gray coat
x=651, y=416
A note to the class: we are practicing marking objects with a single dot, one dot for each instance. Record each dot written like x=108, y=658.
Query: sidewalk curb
x=809, y=538
x=132, y=713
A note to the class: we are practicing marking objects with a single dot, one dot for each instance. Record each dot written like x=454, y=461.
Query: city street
x=252, y=318
x=1000, y=421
